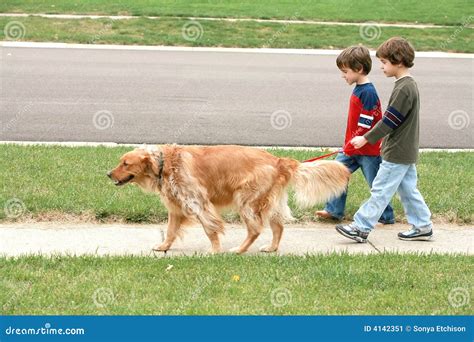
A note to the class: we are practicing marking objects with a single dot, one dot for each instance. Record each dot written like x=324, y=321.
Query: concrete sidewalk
x=120, y=239
x=256, y=20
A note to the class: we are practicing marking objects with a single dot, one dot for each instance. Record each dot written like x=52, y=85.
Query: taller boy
x=400, y=129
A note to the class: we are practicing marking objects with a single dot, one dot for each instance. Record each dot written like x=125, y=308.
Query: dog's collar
x=161, y=162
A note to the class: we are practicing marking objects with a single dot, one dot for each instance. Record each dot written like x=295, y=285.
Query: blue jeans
x=390, y=178
x=370, y=166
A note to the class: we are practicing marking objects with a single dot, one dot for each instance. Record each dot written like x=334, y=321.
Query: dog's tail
x=319, y=181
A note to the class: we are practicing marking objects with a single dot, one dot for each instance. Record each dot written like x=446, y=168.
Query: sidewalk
x=120, y=239
x=277, y=21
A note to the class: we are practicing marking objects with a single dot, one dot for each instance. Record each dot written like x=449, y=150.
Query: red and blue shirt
x=364, y=112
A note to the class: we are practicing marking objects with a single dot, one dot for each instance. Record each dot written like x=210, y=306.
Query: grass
x=55, y=182
x=444, y=12
x=227, y=34
x=257, y=285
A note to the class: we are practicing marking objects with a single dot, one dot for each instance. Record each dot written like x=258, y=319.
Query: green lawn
x=55, y=182
x=451, y=12
x=334, y=284
x=226, y=34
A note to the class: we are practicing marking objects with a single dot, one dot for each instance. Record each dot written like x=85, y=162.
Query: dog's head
x=133, y=167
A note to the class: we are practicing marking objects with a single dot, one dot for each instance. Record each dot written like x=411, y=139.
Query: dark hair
x=398, y=51
x=355, y=58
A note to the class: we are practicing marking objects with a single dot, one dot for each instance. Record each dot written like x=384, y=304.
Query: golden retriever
x=194, y=183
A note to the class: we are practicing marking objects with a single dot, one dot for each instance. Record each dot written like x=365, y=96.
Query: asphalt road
x=210, y=97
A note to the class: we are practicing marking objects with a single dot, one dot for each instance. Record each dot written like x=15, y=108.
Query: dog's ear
x=148, y=164
x=145, y=160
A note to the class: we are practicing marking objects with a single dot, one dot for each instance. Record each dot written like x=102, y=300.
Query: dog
x=195, y=183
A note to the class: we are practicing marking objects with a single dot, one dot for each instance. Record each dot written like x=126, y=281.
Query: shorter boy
x=364, y=112
x=400, y=127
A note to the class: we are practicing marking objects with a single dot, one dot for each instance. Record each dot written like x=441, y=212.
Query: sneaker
x=326, y=215
x=417, y=234
x=387, y=222
x=353, y=232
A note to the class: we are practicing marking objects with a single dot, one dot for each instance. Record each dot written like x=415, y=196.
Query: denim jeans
x=390, y=178
x=370, y=166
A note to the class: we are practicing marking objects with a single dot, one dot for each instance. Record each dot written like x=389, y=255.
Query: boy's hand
x=358, y=141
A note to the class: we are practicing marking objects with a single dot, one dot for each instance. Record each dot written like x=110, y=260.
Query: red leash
x=323, y=156
x=329, y=154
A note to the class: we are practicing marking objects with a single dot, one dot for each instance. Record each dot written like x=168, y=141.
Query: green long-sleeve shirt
x=400, y=124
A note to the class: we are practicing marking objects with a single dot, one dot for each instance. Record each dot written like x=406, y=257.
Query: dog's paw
x=234, y=250
x=214, y=251
x=267, y=249
x=237, y=250
x=161, y=248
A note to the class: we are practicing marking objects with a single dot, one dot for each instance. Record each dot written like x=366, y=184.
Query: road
x=187, y=97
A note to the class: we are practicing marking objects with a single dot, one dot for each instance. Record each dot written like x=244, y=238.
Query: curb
x=324, y=52
x=112, y=144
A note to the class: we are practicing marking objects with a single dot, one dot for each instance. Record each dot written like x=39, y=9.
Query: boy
x=364, y=112
x=400, y=127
